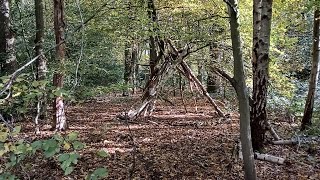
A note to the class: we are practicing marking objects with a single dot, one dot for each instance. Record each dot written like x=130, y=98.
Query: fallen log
x=269, y=158
x=258, y=156
x=297, y=140
x=285, y=142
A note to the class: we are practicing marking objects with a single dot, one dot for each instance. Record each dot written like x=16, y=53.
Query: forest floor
x=170, y=144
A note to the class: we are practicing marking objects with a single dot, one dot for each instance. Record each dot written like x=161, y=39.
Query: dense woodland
x=159, y=89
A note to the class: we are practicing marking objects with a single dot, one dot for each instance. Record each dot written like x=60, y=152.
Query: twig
x=134, y=152
x=6, y=122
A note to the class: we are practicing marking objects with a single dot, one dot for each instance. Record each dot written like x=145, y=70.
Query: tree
x=59, y=119
x=130, y=56
x=213, y=79
x=242, y=93
x=260, y=64
x=41, y=61
x=8, y=61
x=308, y=111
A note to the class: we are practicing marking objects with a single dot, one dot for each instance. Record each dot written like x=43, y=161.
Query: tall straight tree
x=8, y=61
x=128, y=69
x=260, y=64
x=213, y=79
x=152, y=13
x=41, y=61
x=242, y=93
x=59, y=118
x=308, y=110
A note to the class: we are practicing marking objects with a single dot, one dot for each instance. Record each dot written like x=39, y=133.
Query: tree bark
x=260, y=74
x=8, y=61
x=59, y=120
x=152, y=39
x=242, y=93
x=213, y=79
x=308, y=110
x=41, y=62
x=135, y=67
x=127, y=69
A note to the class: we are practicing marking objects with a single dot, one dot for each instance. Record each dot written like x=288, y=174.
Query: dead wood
x=272, y=131
x=269, y=158
x=298, y=140
x=285, y=142
x=190, y=76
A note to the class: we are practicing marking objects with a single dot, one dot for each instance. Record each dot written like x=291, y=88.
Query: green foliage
x=83, y=92
x=97, y=174
x=102, y=153
x=62, y=149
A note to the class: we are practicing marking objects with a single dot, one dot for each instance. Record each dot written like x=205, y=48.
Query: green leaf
x=20, y=149
x=16, y=130
x=58, y=137
x=36, y=145
x=72, y=136
x=63, y=157
x=51, y=151
x=102, y=153
x=100, y=172
x=49, y=143
x=68, y=170
x=77, y=145
x=3, y=136
x=7, y=176
x=74, y=158
x=65, y=164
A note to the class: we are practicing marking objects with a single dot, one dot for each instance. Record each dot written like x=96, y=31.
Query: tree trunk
x=213, y=79
x=41, y=61
x=8, y=61
x=152, y=40
x=134, y=61
x=260, y=65
x=307, y=116
x=242, y=93
x=200, y=70
x=127, y=69
x=59, y=120
x=148, y=99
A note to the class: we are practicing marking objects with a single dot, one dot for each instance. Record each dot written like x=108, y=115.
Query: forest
x=159, y=89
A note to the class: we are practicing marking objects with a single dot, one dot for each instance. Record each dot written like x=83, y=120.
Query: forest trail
x=171, y=144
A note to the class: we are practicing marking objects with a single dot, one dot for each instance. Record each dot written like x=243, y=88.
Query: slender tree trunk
x=307, y=116
x=200, y=70
x=260, y=74
x=59, y=120
x=134, y=60
x=213, y=81
x=152, y=40
x=137, y=54
x=8, y=61
x=242, y=93
x=41, y=61
x=127, y=69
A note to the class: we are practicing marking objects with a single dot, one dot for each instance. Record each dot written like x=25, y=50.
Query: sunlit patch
x=117, y=150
